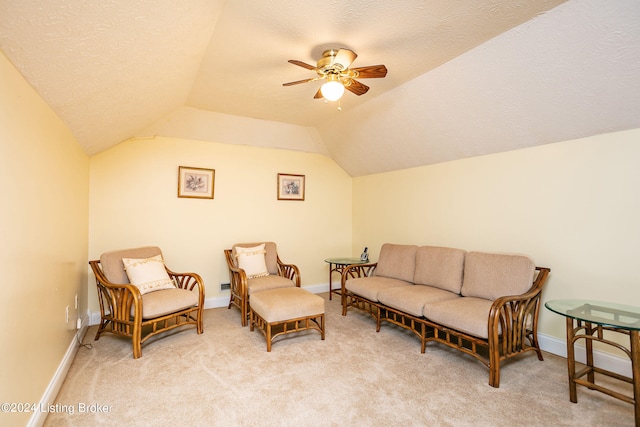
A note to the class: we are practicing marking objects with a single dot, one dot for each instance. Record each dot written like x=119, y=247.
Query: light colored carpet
x=225, y=377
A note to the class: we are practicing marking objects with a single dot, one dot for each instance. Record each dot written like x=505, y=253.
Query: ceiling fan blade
x=299, y=82
x=318, y=95
x=370, y=72
x=302, y=64
x=356, y=87
x=344, y=57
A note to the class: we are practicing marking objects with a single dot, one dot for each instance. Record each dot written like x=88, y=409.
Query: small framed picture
x=196, y=183
x=290, y=187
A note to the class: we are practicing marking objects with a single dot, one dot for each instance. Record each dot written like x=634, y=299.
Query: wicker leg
x=268, y=337
x=244, y=312
x=200, y=324
x=494, y=359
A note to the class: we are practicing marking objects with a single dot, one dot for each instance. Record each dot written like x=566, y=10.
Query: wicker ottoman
x=286, y=310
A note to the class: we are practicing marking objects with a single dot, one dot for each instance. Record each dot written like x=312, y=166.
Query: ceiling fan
x=334, y=68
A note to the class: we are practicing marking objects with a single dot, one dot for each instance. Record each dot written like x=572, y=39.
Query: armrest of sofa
x=357, y=270
x=515, y=318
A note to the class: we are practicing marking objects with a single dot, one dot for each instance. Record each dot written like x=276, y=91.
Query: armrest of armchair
x=188, y=281
x=237, y=276
x=116, y=301
x=289, y=271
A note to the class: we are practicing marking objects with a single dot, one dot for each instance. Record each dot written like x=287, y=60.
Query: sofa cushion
x=397, y=262
x=412, y=299
x=439, y=267
x=469, y=315
x=492, y=275
x=368, y=287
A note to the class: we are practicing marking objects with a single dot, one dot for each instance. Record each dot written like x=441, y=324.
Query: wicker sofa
x=483, y=304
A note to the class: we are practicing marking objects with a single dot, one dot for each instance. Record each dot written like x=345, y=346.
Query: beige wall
x=573, y=206
x=43, y=254
x=134, y=202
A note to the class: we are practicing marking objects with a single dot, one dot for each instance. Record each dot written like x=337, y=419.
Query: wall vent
x=225, y=287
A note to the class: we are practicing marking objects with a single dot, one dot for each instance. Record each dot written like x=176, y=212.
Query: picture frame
x=291, y=186
x=196, y=183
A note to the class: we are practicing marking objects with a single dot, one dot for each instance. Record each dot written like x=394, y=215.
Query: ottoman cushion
x=276, y=305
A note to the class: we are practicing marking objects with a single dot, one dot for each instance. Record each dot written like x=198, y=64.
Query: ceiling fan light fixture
x=332, y=90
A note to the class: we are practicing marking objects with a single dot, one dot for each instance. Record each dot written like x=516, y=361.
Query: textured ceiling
x=465, y=78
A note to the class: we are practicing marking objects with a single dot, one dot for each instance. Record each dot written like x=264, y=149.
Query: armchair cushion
x=147, y=274
x=156, y=304
x=267, y=282
x=253, y=261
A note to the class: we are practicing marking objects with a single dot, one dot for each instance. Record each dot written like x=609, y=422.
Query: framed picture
x=196, y=183
x=290, y=187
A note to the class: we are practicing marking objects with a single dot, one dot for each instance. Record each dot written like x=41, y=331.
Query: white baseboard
x=48, y=398
x=608, y=361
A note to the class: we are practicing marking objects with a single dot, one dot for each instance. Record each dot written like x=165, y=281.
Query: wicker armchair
x=125, y=311
x=280, y=275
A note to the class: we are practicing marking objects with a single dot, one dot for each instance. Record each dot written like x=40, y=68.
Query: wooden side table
x=337, y=265
x=587, y=320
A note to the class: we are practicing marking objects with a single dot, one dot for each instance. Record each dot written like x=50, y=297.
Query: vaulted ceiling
x=465, y=78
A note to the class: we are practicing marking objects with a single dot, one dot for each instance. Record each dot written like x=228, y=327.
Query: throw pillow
x=252, y=261
x=147, y=274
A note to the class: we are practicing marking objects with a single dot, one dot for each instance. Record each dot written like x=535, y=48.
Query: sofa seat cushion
x=369, y=287
x=440, y=267
x=166, y=301
x=265, y=283
x=468, y=314
x=412, y=299
x=397, y=262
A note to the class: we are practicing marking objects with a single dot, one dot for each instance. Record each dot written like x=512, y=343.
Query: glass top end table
x=598, y=312
x=587, y=320
x=337, y=265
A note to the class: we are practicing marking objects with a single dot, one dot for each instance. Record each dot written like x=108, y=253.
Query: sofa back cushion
x=397, y=262
x=491, y=275
x=440, y=267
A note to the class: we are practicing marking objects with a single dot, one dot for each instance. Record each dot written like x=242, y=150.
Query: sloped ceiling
x=465, y=78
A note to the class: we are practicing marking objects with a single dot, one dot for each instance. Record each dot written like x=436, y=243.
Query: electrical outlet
x=78, y=323
x=66, y=314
